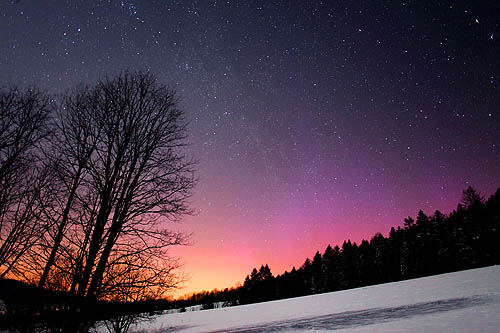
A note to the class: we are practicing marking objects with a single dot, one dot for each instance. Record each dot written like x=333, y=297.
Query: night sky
x=313, y=121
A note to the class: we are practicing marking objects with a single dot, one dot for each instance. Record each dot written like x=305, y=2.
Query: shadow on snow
x=352, y=319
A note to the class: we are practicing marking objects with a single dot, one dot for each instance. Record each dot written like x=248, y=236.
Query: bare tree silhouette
x=118, y=157
x=23, y=117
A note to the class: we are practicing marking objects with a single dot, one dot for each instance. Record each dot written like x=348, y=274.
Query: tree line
x=88, y=180
x=427, y=245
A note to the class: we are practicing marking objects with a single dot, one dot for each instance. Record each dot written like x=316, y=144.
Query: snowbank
x=461, y=301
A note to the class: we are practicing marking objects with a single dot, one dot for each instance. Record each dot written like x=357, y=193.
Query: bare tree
x=23, y=120
x=73, y=144
x=139, y=267
x=123, y=176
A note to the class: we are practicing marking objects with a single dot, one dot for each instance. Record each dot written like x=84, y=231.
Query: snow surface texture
x=466, y=301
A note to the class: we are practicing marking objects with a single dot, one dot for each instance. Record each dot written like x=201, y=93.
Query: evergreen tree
x=317, y=279
x=470, y=197
x=305, y=273
x=330, y=268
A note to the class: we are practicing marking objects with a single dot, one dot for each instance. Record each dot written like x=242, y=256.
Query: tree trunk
x=60, y=231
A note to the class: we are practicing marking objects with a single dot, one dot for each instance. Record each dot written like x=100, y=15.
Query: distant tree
x=471, y=197
x=409, y=222
x=289, y=284
x=318, y=274
x=379, y=247
x=422, y=245
x=265, y=273
x=348, y=266
x=330, y=264
x=266, y=286
x=422, y=219
x=367, y=267
x=306, y=274
x=394, y=268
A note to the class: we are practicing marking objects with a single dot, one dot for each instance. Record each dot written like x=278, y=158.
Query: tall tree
x=139, y=170
x=330, y=263
x=124, y=174
x=23, y=119
x=318, y=278
x=74, y=142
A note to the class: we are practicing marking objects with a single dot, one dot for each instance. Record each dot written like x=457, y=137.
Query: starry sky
x=313, y=121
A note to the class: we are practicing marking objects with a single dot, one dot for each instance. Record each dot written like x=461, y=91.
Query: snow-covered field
x=467, y=301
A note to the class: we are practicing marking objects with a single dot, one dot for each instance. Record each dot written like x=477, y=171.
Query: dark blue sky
x=313, y=121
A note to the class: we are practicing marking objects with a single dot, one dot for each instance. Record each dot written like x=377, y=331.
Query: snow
x=466, y=301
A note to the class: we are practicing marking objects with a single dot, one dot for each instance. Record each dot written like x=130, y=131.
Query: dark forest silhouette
x=466, y=238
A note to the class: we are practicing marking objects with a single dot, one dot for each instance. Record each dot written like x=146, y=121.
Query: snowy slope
x=466, y=301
